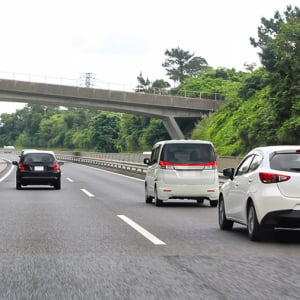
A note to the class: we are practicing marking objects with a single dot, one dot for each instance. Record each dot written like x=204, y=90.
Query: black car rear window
x=42, y=158
x=187, y=153
x=285, y=162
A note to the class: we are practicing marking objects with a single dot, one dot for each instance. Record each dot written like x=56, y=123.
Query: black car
x=38, y=168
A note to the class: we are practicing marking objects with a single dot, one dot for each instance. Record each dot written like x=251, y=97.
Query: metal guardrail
x=131, y=167
x=109, y=161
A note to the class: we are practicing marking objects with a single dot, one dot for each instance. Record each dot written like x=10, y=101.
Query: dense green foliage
x=265, y=109
x=262, y=105
x=38, y=126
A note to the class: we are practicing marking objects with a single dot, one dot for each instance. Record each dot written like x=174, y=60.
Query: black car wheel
x=18, y=185
x=57, y=185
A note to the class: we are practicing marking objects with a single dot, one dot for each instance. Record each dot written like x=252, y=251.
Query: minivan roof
x=184, y=142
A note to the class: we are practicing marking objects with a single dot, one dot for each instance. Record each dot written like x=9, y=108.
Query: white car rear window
x=286, y=162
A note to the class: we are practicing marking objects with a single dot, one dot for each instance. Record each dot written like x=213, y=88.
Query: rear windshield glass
x=43, y=158
x=286, y=162
x=188, y=153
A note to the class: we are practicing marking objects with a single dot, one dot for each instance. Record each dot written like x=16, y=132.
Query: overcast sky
x=117, y=39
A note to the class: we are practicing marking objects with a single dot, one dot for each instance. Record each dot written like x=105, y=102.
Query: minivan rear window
x=285, y=162
x=188, y=153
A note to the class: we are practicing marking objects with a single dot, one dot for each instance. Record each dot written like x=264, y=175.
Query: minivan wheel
x=157, y=201
x=224, y=223
x=200, y=201
x=213, y=203
x=148, y=199
x=255, y=230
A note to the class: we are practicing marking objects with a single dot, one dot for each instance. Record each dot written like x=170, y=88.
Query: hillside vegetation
x=262, y=105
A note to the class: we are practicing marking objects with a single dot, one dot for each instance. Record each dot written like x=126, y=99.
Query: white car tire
x=255, y=230
x=224, y=223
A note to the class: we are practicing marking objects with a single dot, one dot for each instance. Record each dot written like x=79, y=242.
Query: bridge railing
x=113, y=86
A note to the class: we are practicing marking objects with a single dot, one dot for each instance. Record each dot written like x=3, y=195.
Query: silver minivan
x=182, y=169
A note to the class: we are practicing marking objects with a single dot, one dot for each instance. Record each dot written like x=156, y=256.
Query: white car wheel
x=223, y=222
x=255, y=230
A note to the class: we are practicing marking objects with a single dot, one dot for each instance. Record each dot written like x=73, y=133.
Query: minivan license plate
x=38, y=168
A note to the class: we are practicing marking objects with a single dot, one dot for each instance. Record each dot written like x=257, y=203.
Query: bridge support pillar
x=173, y=128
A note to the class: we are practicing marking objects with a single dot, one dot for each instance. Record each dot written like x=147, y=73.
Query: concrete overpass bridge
x=165, y=107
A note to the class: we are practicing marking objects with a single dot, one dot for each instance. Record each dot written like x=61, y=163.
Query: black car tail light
x=56, y=166
x=21, y=166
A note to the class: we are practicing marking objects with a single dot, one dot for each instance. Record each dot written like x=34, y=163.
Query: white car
x=263, y=193
x=182, y=169
x=8, y=149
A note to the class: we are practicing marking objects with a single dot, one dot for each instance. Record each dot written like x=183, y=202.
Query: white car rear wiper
x=294, y=169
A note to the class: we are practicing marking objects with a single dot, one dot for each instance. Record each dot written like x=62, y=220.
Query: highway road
x=97, y=239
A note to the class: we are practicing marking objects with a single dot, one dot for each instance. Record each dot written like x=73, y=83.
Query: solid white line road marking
x=142, y=231
x=69, y=179
x=87, y=193
x=10, y=170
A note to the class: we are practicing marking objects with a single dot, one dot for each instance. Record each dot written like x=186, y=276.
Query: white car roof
x=270, y=149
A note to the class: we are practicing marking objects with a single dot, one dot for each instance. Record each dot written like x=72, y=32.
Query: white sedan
x=263, y=193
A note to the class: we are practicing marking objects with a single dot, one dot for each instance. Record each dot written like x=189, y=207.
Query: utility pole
x=87, y=79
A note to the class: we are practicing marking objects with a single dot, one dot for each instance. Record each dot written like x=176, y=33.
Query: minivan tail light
x=211, y=166
x=273, y=178
x=56, y=166
x=208, y=166
x=21, y=166
x=166, y=165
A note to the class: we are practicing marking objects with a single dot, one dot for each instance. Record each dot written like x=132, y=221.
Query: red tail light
x=56, y=167
x=21, y=166
x=273, y=178
x=166, y=165
x=208, y=166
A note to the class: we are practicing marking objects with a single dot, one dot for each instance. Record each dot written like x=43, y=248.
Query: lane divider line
x=69, y=179
x=142, y=231
x=7, y=174
x=87, y=193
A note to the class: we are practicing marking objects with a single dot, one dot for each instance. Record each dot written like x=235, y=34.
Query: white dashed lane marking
x=142, y=231
x=87, y=193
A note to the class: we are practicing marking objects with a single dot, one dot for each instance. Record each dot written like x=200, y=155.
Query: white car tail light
x=272, y=177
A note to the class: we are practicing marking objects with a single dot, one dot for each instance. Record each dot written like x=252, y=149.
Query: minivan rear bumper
x=210, y=192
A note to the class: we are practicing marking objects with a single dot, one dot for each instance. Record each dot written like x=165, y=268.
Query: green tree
x=143, y=84
x=279, y=41
x=181, y=64
x=52, y=131
x=103, y=131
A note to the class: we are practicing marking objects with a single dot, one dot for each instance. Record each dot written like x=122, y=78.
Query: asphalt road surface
x=97, y=239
